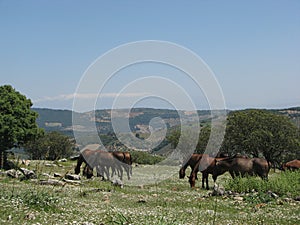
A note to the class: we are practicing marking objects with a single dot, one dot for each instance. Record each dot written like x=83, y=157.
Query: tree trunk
x=1, y=159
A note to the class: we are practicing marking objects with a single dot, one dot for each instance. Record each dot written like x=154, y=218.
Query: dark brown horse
x=191, y=162
x=242, y=167
x=206, y=165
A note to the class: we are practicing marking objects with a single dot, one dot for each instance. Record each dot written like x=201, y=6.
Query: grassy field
x=170, y=201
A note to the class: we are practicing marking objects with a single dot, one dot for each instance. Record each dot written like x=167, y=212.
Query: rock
x=47, y=175
x=272, y=194
x=229, y=192
x=218, y=190
x=13, y=173
x=29, y=216
x=287, y=199
x=50, y=165
x=72, y=177
x=71, y=181
x=238, y=198
x=117, y=183
x=57, y=175
x=52, y=182
x=63, y=160
x=29, y=174
x=297, y=198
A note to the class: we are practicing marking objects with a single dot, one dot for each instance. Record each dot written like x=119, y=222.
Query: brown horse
x=191, y=162
x=243, y=167
x=104, y=161
x=206, y=165
x=291, y=165
x=126, y=162
x=99, y=159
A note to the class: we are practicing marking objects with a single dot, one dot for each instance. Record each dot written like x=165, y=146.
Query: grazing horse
x=291, y=165
x=101, y=160
x=242, y=166
x=126, y=162
x=206, y=165
x=191, y=162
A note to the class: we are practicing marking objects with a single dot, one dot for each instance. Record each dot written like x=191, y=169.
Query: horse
x=242, y=167
x=206, y=165
x=291, y=165
x=103, y=161
x=99, y=159
x=126, y=162
x=191, y=162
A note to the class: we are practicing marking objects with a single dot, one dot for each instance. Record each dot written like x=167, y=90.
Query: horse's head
x=88, y=172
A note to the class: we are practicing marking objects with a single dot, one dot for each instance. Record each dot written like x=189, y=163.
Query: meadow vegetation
x=170, y=201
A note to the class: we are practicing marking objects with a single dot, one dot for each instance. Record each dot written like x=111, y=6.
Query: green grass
x=285, y=184
x=170, y=201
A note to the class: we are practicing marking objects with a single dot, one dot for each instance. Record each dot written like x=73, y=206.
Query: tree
x=204, y=134
x=51, y=146
x=261, y=133
x=17, y=121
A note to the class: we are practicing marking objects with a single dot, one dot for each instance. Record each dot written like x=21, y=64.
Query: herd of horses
x=237, y=165
x=103, y=161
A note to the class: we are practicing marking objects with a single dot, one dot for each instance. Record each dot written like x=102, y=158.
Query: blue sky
x=252, y=47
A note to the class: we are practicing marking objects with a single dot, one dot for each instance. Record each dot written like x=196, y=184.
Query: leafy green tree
x=203, y=139
x=51, y=146
x=204, y=135
x=17, y=121
x=261, y=133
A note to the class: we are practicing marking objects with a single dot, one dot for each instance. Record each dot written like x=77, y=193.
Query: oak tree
x=17, y=121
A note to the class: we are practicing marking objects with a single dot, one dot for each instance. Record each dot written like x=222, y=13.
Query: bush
x=283, y=184
x=145, y=158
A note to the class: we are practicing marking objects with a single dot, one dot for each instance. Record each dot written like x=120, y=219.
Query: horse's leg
x=79, y=162
x=203, y=180
x=106, y=171
x=207, y=187
x=127, y=169
x=120, y=170
x=192, y=179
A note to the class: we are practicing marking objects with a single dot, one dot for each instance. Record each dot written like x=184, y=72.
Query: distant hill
x=139, y=118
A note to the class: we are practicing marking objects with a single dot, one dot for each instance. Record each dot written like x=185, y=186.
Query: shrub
x=284, y=184
x=145, y=158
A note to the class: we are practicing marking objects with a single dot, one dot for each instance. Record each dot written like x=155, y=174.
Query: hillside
x=139, y=119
